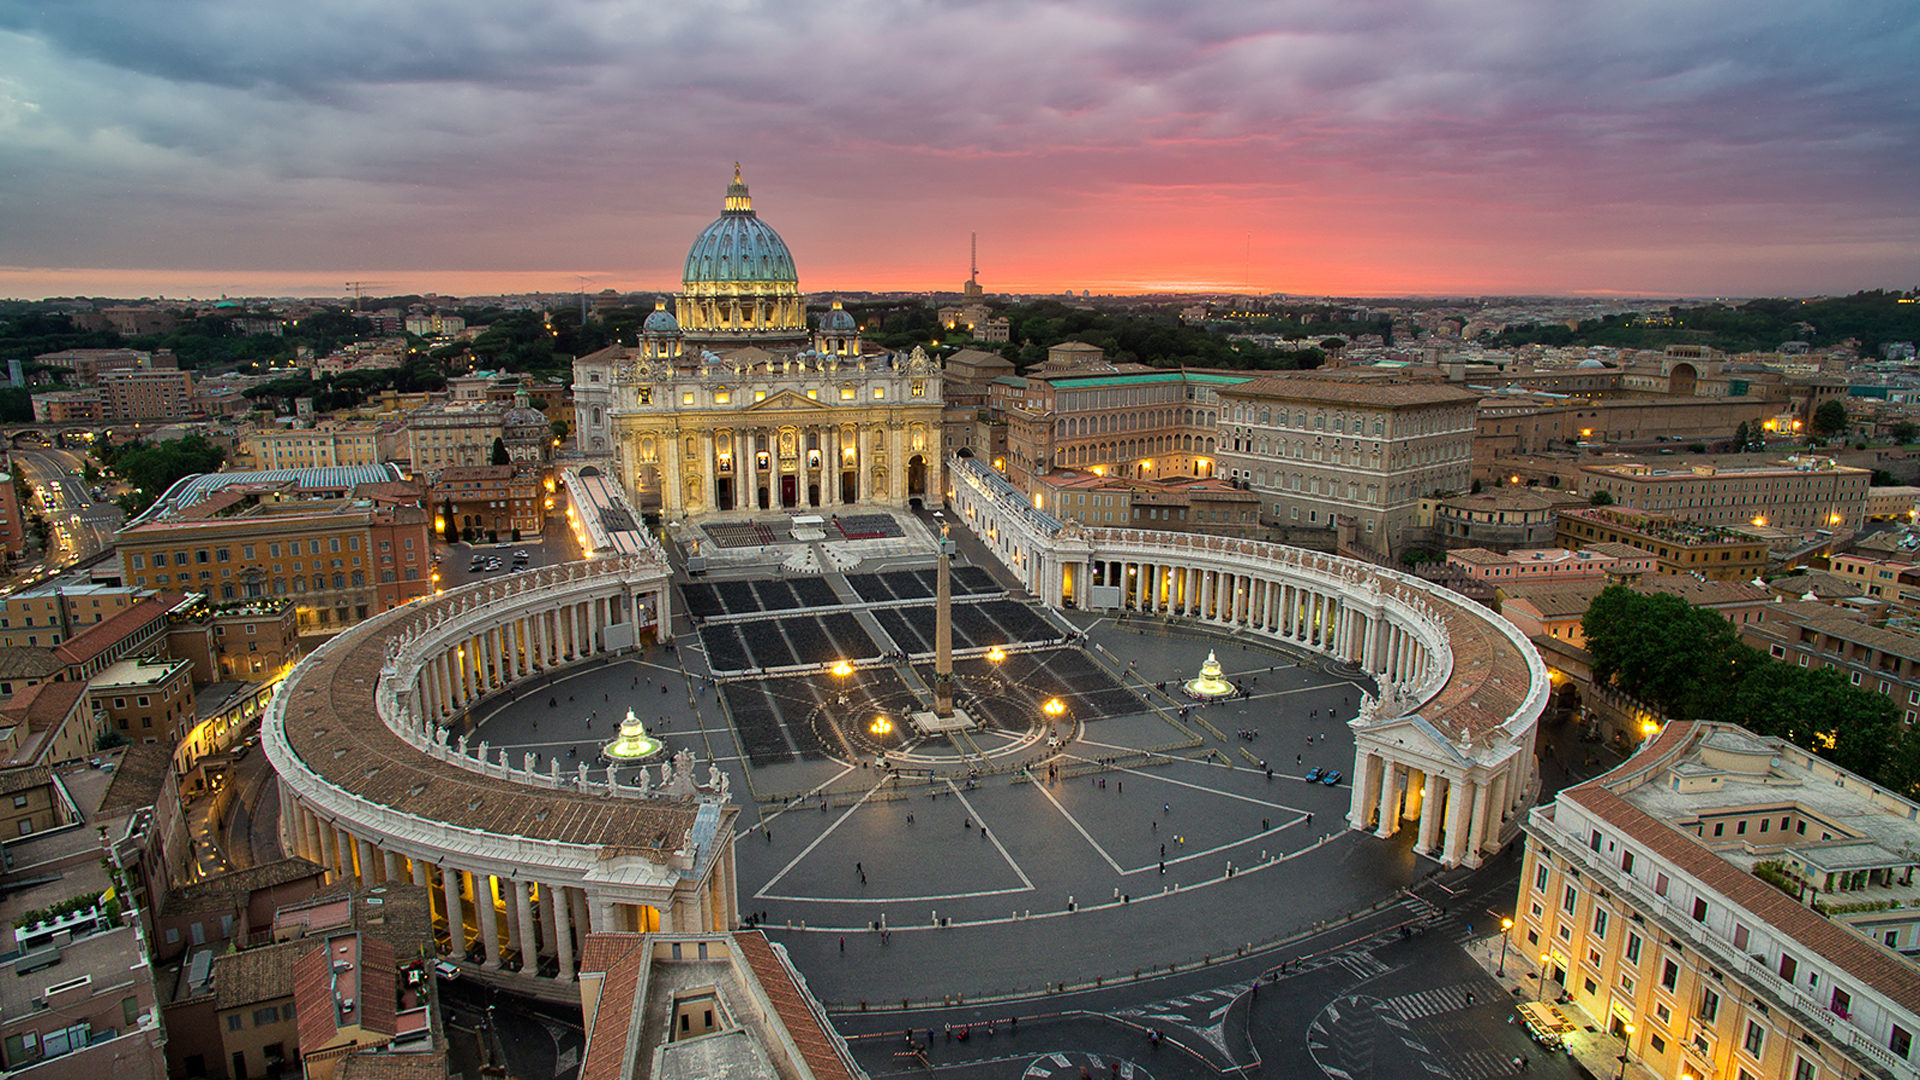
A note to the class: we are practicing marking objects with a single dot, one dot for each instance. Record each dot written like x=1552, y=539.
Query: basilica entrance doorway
x=787, y=487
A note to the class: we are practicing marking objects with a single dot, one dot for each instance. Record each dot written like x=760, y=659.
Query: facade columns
x=1477, y=821
x=1460, y=800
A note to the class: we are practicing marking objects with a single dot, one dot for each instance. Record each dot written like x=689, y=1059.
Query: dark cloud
x=583, y=133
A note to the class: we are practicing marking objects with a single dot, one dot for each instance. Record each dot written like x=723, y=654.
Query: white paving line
x=993, y=835
x=824, y=833
x=817, y=789
x=1077, y=827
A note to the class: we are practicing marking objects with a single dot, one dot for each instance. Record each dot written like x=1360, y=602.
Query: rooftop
x=137, y=672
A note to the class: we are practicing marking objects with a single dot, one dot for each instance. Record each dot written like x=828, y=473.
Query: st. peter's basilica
x=730, y=403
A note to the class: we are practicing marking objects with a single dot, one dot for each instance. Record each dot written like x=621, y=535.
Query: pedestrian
x=1163, y=851
x=1163, y=868
x=1166, y=808
x=1299, y=759
x=1119, y=787
x=769, y=836
x=859, y=868
x=909, y=819
x=1469, y=997
x=843, y=948
x=966, y=823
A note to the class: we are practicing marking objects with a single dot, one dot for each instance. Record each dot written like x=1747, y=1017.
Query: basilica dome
x=661, y=321
x=738, y=246
x=740, y=285
x=837, y=321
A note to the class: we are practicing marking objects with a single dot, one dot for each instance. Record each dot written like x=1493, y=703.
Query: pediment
x=1411, y=737
x=785, y=399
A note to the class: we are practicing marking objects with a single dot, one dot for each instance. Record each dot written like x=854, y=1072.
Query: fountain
x=1208, y=684
x=633, y=742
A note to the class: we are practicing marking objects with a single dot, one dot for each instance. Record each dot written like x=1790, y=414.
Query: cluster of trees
x=152, y=468
x=1689, y=663
x=1872, y=318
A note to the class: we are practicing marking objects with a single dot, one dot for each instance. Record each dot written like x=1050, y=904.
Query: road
x=81, y=528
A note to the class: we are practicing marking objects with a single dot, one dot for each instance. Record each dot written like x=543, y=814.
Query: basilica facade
x=729, y=402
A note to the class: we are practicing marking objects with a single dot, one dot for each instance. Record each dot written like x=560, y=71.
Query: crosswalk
x=1478, y=1065
x=1442, y=999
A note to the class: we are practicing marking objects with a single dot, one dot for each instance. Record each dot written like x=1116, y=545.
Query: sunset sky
x=1349, y=147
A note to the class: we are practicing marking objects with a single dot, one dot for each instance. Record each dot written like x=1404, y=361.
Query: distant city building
x=1181, y=504
x=1551, y=564
x=1680, y=546
x=497, y=499
x=1804, y=491
x=141, y=395
x=87, y=365
x=68, y=407
x=1500, y=518
x=442, y=436
x=435, y=325
x=126, y=321
x=324, y=444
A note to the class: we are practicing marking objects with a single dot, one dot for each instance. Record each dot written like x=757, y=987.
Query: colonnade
x=507, y=890
x=1458, y=811
x=501, y=916
x=1328, y=619
x=495, y=654
x=1448, y=739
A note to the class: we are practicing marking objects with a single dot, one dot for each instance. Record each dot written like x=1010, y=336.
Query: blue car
x=1313, y=774
x=1332, y=777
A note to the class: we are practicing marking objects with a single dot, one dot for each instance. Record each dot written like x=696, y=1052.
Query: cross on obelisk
x=943, y=633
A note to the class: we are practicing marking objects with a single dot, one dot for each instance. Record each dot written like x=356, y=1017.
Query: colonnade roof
x=333, y=727
x=1491, y=676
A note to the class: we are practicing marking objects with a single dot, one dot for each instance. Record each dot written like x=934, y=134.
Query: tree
x=500, y=455
x=560, y=429
x=1601, y=498
x=1830, y=418
x=448, y=531
x=1904, y=431
x=1741, y=437
x=1676, y=657
x=1475, y=489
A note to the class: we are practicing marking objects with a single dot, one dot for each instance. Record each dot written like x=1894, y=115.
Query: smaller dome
x=661, y=321
x=838, y=321
x=1590, y=363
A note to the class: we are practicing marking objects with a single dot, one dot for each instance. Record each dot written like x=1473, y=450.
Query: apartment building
x=1680, y=546
x=1733, y=906
x=325, y=443
x=56, y=610
x=1880, y=659
x=145, y=699
x=498, y=499
x=1609, y=562
x=337, y=560
x=1317, y=447
x=1805, y=491
x=68, y=407
x=151, y=394
x=442, y=436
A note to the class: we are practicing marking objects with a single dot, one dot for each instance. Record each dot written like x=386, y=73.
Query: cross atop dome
x=738, y=201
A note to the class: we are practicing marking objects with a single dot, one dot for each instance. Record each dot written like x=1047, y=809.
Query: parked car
x=1313, y=774
x=1332, y=777
x=445, y=970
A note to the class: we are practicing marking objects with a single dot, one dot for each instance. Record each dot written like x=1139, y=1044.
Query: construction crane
x=359, y=287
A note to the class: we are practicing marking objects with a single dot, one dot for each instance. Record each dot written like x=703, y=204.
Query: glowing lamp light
x=880, y=726
x=843, y=669
x=1648, y=727
x=996, y=654
x=1054, y=707
x=1760, y=520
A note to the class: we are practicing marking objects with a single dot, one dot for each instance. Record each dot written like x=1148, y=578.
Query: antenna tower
x=973, y=257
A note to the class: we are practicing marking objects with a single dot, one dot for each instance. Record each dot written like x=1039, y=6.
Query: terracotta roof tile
x=611, y=1024
x=388, y=1065
x=1817, y=935
x=104, y=635
x=818, y=1046
x=318, y=1018
x=379, y=987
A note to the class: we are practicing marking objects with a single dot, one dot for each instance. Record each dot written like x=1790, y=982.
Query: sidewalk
x=1592, y=1049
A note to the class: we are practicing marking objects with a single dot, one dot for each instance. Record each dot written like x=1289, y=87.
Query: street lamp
x=1626, y=1051
x=1506, y=929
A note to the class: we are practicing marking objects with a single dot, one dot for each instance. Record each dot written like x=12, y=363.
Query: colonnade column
x=529, y=947
x=1461, y=797
x=456, y=918
x=488, y=918
x=1477, y=822
x=1389, y=799
x=563, y=931
x=1430, y=813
